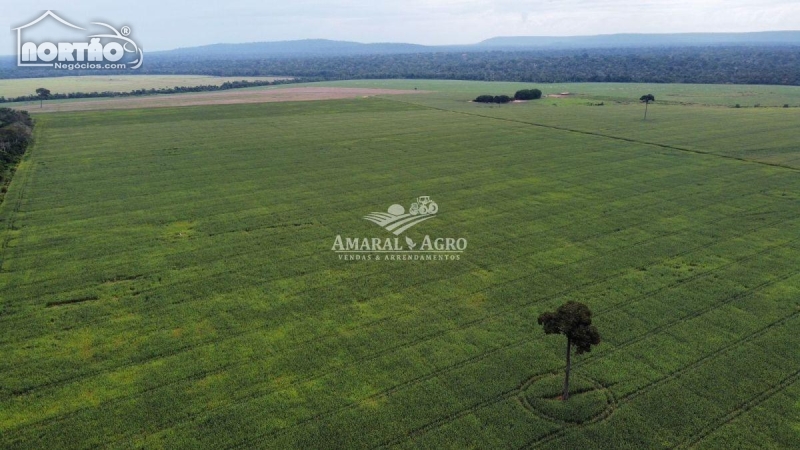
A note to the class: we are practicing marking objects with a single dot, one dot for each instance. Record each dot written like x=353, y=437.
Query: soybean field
x=167, y=278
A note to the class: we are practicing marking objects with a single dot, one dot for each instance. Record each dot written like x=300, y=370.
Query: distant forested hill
x=300, y=48
x=766, y=38
x=767, y=58
x=738, y=65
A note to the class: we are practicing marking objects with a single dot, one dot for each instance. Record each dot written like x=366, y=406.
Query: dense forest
x=15, y=136
x=739, y=65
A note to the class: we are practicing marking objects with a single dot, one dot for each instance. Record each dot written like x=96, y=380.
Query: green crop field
x=167, y=278
x=116, y=83
x=673, y=94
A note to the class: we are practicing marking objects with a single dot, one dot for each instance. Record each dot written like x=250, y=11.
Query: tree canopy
x=486, y=98
x=528, y=94
x=717, y=64
x=646, y=99
x=15, y=136
x=573, y=320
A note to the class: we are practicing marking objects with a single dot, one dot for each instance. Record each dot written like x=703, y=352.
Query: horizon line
x=707, y=33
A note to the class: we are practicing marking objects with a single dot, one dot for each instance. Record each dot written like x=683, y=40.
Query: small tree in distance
x=492, y=99
x=484, y=99
x=646, y=99
x=573, y=320
x=43, y=95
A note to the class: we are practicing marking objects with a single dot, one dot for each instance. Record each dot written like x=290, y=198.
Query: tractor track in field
x=384, y=352
x=713, y=355
x=343, y=203
x=10, y=220
x=648, y=191
x=460, y=363
x=588, y=237
x=526, y=236
x=608, y=409
x=515, y=344
x=608, y=136
x=20, y=199
x=428, y=337
x=556, y=294
x=277, y=235
x=480, y=357
x=541, y=232
x=523, y=341
x=502, y=212
x=405, y=345
x=556, y=434
x=585, y=238
x=693, y=315
x=348, y=160
x=505, y=395
x=676, y=374
x=742, y=408
x=723, y=420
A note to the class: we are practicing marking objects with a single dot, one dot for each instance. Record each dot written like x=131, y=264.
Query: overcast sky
x=159, y=25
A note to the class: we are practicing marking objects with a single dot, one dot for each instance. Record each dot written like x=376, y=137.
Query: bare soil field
x=211, y=98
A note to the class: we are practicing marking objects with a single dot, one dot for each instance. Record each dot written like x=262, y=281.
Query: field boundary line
x=608, y=136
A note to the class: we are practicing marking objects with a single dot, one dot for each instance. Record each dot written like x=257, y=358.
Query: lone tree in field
x=646, y=99
x=574, y=320
x=528, y=94
x=43, y=95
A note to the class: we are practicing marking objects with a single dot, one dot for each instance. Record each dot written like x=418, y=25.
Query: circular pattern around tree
x=588, y=402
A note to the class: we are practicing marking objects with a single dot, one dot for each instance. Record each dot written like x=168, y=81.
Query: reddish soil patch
x=215, y=98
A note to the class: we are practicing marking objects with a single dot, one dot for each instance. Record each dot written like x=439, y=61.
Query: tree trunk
x=41, y=102
x=565, y=395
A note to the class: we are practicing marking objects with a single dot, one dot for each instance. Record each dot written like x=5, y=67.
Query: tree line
x=16, y=134
x=712, y=65
x=523, y=94
x=42, y=95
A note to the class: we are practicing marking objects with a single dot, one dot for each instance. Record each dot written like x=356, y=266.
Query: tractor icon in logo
x=423, y=206
x=397, y=220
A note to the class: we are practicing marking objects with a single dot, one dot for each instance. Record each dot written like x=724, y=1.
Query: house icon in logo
x=20, y=50
x=105, y=50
